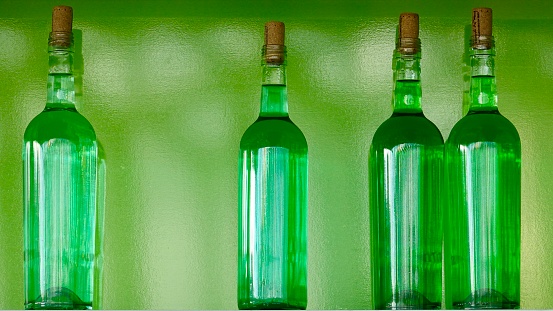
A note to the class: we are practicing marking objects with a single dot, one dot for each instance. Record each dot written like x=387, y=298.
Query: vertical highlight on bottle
x=272, y=204
x=405, y=161
x=483, y=170
x=63, y=190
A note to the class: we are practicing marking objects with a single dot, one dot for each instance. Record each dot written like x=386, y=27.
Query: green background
x=171, y=86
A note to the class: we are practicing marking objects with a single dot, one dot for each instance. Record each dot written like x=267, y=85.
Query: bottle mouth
x=482, y=42
x=408, y=46
x=274, y=54
x=62, y=39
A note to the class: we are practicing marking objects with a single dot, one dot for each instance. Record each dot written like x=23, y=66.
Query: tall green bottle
x=482, y=157
x=272, y=203
x=60, y=164
x=405, y=162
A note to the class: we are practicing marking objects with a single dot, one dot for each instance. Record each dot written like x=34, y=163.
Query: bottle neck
x=407, y=87
x=483, y=94
x=61, y=82
x=274, y=96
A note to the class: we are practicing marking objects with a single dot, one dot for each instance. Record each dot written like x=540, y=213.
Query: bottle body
x=272, y=217
x=482, y=240
x=405, y=174
x=482, y=165
x=405, y=163
x=60, y=157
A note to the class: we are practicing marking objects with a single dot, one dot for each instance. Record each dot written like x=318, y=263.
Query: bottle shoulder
x=483, y=127
x=60, y=123
x=403, y=129
x=273, y=132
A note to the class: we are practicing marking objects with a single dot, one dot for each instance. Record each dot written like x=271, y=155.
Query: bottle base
x=56, y=306
x=269, y=305
x=486, y=299
x=410, y=300
x=59, y=298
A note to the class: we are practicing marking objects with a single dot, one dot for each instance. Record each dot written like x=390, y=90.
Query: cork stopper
x=481, y=22
x=409, y=25
x=62, y=19
x=274, y=43
x=482, y=28
x=408, y=34
x=274, y=33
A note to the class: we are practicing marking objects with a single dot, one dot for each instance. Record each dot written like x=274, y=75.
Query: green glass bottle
x=272, y=195
x=60, y=176
x=482, y=163
x=405, y=161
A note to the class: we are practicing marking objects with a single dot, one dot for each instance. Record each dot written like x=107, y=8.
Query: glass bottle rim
x=482, y=42
x=61, y=39
x=274, y=54
x=408, y=46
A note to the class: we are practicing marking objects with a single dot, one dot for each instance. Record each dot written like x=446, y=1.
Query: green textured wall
x=171, y=87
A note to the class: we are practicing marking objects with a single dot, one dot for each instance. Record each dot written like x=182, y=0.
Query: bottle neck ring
x=61, y=82
x=406, y=66
x=274, y=65
x=483, y=94
x=60, y=50
x=274, y=96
